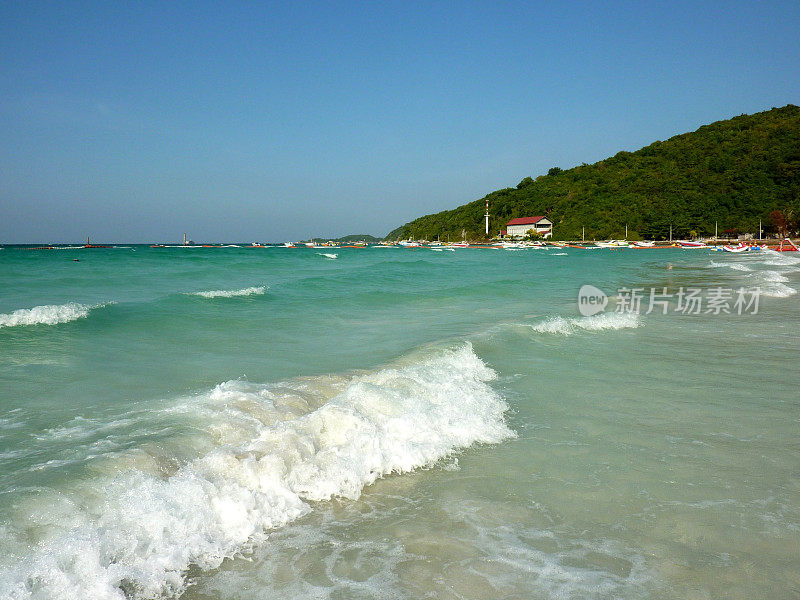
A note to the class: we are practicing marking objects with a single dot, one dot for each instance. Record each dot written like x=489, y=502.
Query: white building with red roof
x=521, y=226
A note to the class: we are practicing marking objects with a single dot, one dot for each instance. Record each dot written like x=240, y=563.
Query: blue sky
x=273, y=121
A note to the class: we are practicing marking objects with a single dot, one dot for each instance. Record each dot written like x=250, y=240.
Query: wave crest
x=48, y=314
x=251, y=291
x=776, y=289
x=144, y=529
x=600, y=322
x=736, y=266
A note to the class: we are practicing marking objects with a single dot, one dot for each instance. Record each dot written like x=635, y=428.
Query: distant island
x=357, y=237
x=731, y=175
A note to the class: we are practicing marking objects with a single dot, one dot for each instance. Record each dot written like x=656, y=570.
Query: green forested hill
x=732, y=172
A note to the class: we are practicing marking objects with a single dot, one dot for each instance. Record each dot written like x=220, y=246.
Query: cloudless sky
x=273, y=121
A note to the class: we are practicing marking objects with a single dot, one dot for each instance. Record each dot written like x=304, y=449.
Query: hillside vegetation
x=731, y=172
x=356, y=237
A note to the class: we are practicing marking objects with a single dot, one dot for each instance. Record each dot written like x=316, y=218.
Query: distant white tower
x=487, y=217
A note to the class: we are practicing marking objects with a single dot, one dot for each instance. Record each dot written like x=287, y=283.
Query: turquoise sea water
x=220, y=423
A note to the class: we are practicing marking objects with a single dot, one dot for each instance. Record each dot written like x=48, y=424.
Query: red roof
x=525, y=220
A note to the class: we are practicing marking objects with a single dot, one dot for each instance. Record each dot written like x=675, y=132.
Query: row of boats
x=786, y=245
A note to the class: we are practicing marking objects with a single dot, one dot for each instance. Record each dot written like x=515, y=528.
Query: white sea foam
x=80, y=428
x=732, y=264
x=328, y=255
x=773, y=276
x=251, y=291
x=739, y=267
x=49, y=314
x=736, y=266
x=777, y=290
x=786, y=259
x=7, y=423
x=524, y=557
x=466, y=553
x=772, y=284
x=567, y=326
x=134, y=535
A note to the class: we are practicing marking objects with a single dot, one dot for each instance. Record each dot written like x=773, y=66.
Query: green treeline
x=734, y=172
x=355, y=237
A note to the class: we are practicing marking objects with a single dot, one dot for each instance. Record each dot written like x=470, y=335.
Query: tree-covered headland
x=732, y=173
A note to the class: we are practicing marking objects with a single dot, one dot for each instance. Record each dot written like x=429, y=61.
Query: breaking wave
x=49, y=314
x=277, y=448
x=771, y=283
x=781, y=259
x=776, y=289
x=600, y=322
x=736, y=266
x=251, y=291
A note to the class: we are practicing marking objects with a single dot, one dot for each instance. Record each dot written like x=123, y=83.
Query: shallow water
x=395, y=423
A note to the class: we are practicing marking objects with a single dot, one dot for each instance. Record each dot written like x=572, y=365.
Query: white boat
x=740, y=248
x=459, y=245
x=408, y=244
x=613, y=244
x=643, y=244
x=691, y=244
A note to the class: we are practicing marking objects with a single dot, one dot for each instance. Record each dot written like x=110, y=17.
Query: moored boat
x=741, y=247
x=613, y=244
